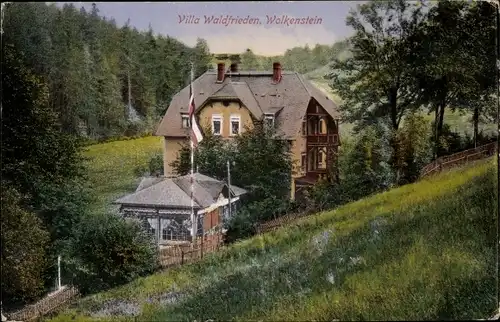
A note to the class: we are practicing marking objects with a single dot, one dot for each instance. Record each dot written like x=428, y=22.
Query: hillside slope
x=421, y=251
x=111, y=167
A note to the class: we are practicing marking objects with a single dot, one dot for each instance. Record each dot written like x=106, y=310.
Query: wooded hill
x=94, y=68
x=109, y=81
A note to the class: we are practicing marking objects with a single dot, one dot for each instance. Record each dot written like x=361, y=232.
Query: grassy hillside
x=111, y=166
x=422, y=251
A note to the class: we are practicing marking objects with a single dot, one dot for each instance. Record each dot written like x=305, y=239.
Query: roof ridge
x=177, y=180
x=222, y=87
x=148, y=192
x=304, y=111
x=303, y=84
x=244, y=86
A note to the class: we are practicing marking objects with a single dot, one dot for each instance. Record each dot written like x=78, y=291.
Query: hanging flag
x=196, y=138
x=196, y=135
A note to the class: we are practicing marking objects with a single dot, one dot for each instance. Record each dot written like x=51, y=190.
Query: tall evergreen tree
x=202, y=57
x=39, y=160
x=91, y=66
x=249, y=60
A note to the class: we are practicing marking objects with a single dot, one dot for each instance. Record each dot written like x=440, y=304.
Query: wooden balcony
x=317, y=171
x=322, y=139
x=311, y=177
x=313, y=171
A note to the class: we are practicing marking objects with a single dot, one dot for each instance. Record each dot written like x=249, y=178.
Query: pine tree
x=202, y=57
x=39, y=160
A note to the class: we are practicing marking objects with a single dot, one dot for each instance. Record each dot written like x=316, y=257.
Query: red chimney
x=220, y=72
x=276, y=72
x=234, y=68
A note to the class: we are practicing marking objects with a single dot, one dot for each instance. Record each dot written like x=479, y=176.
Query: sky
x=187, y=21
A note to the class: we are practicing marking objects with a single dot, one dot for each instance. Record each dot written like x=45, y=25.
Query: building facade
x=229, y=100
x=164, y=206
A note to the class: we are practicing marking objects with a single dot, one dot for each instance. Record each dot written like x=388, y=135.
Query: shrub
x=243, y=223
x=482, y=139
x=108, y=250
x=325, y=195
x=24, y=246
x=156, y=164
x=365, y=168
x=449, y=141
x=414, y=149
x=153, y=167
x=141, y=170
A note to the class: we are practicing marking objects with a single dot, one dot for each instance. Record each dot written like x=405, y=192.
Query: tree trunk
x=393, y=101
x=436, y=136
x=439, y=125
x=441, y=118
x=476, y=125
x=393, y=94
x=129, y=105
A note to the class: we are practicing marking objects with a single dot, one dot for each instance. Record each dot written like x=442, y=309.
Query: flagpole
x=193, y=221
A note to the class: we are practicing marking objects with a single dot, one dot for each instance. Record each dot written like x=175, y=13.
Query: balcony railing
x=321, y=139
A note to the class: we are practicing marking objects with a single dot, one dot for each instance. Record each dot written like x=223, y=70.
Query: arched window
x=321, y=164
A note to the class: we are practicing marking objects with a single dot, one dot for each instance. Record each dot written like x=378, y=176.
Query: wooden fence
x=280, y=221
x=463, y=157
x=190, y=252
x=169, y=256
x=433, y=167
x=45, y=306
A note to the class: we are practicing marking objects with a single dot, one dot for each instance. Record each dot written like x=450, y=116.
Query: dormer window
x=185, y=121
x=269, y=121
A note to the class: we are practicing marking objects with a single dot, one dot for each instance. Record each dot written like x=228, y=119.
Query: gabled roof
x=164, y=194
x=258, y=92
x=247, y=98
x=203, y=190
x=161, y=192
x=148, y=182
x=237, y=191
x=225, y=91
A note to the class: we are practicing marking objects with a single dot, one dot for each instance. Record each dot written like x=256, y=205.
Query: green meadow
x=111, y=167
x=424, y=251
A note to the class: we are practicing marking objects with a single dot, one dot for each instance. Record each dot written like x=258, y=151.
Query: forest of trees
x=94, y=69
x=108, y=81
x=45, y=199
x=408, y=57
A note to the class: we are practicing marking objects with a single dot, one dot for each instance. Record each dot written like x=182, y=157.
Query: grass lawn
x=111, y=167
x=422, y=251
